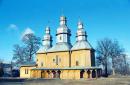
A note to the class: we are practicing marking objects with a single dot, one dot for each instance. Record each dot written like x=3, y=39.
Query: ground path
x=99, y=81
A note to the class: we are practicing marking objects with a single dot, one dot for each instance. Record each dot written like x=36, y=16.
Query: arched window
x=77, y=63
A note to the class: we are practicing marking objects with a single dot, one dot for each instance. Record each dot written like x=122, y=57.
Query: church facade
x=63, y=60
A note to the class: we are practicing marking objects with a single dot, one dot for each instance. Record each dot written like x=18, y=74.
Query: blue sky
x=101, y=18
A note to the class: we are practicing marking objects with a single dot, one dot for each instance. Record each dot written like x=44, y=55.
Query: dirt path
x=100, y=81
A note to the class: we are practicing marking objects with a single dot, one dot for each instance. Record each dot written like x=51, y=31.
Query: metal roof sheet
x=66, y=47
x=81, y=45
x=42, y=50
x=67, y=68
x=29, y=64
x=60, y=47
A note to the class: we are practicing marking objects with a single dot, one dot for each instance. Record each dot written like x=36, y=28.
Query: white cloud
x=13, y=27
x=27, y=31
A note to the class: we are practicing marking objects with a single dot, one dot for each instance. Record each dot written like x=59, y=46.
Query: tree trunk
x=113, y=71
x=113, y=68
x=106, y=74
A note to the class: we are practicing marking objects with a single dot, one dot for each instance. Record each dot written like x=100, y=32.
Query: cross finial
x=48, y=22
x=47, y=29
x=79, y=18
x=62, y=12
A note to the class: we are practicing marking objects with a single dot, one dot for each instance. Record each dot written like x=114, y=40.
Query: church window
x=77, y=63
x=59, y=59
x=53, y=60
x=60, y=37
x=56, y=60
x=26, y=71
x=41, y=63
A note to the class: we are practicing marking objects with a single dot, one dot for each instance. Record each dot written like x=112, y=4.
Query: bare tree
x=116, y=53
x=1, y=68
x=24, y=54
x=106, y=49
x=19, y=56
x=103, y=52
x=122, y=66
x=32, y=44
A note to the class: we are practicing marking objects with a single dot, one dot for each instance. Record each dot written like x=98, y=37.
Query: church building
x=63, y=60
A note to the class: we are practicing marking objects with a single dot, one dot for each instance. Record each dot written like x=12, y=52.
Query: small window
x=77, y=63
x=26, y=71
x=59, y=59
x=60, y=37
x=41, y=63
x=37, y=59
x=53, y=60
x=56, y=60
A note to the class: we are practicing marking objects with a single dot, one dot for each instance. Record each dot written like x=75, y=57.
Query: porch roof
x=68, y=68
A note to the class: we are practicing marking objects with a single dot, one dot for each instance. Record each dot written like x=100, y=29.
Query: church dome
x=62, y=18
x=63, y=29
x=81, y=36
x=81, y=32
x=47, y=37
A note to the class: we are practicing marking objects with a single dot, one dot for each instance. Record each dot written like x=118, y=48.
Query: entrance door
x=42, y=74
x=81, y=73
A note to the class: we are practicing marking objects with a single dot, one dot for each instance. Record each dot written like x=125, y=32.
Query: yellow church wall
x=64, y=74
x=41, y=60
x=48, y=60
x=62, y=57
x=85, y=75
x=36, y=74
x=82, y=56
x=70, y=74
x=26, y=74
x=77, y=74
